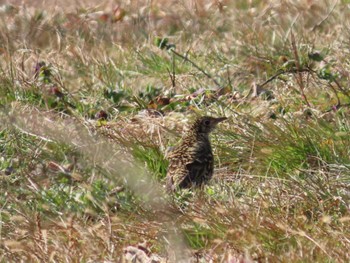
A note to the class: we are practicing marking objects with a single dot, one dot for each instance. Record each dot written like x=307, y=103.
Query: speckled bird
x=191, y=163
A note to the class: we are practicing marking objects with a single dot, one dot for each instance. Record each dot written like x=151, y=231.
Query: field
x=93, y=96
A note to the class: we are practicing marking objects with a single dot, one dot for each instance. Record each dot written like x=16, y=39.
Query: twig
x=196, y=66
x=172, y=74
x=340, y=87
x=326, y=17
x=228, y=78
x=300, y=77
x=303, y=234
x=173, y=78
x=335, y=93
x=32, y=134
x=284, y=72
x=337, y=107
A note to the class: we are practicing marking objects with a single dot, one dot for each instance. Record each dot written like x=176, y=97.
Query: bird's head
x=206, y=124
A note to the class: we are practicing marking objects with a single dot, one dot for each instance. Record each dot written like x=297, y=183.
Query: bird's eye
x=207, y=122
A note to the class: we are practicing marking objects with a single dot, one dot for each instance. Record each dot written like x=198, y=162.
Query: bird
x=191, y=163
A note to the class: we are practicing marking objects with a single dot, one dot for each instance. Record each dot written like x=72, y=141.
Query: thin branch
x=335, y=93
x=341, y=88
x=197, y=67
x=326, y=17
x=337, y=107
x=172, y=77
x=281, y=72
x=297, y=63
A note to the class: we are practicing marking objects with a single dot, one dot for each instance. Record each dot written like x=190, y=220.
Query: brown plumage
x=191, y=163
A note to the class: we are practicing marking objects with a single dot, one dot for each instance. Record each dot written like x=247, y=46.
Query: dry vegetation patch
x=93, y=96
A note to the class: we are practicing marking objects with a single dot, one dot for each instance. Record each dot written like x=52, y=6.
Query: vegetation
x=92, y=95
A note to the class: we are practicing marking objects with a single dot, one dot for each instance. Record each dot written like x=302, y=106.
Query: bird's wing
x=178, y=172
x=175, y=177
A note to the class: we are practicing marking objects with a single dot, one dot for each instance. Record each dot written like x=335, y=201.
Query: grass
x=92, y=96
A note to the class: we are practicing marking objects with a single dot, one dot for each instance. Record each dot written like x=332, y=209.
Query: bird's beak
x=217, y=120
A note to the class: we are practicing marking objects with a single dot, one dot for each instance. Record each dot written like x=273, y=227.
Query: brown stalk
x=197, y=67
x=297, y=63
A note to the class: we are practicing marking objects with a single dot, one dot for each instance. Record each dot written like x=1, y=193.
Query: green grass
x=91, y=99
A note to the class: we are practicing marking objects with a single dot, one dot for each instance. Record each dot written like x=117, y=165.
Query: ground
x=93, y=95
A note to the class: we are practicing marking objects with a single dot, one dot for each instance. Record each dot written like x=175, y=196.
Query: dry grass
x=78, y=187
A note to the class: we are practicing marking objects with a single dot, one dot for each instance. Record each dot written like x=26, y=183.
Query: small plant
x=153, y=159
